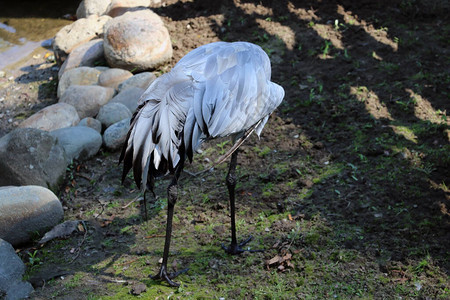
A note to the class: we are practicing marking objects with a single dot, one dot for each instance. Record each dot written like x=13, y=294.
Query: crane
x=217, y=90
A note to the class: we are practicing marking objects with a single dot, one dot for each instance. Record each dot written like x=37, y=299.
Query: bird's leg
x=145, y=207
x=234, y=247
x=172, y=193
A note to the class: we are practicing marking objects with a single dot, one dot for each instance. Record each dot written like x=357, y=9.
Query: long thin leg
x=172, y=194
x=231, y=180
x=145, y=207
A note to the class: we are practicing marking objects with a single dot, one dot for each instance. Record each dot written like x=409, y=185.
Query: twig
x=128, y=262
x=103, y=208
x=81, y=244
x=155, y=235
x=132, y=201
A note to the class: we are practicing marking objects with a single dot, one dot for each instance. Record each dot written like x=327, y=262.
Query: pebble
x=114, y=136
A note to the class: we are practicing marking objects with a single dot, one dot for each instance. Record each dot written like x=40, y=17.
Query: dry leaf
x=273, y=260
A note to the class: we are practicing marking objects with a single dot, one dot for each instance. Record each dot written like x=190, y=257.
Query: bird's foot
x=163, y=275
x=234, y=249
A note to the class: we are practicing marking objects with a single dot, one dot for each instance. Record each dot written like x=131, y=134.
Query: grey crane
x=217, y=90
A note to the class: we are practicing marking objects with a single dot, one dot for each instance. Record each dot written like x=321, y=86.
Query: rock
x=76, y=34
x=129, y=98
x=31, y=156
x=78, y=76
x=88, y=55
x=92, y=7
x=87, y=99
x=119, y=7
x=11, y=273
x=137, y=41
x=79, y=142
x=141, y=80
x=92, y=123
x=52, y=117
x=112, y=113
x=113, y=77
x=115, y=135
x=27, y=210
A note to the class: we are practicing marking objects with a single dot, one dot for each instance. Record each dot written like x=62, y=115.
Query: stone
x=92, y=123
x=112, y=113
x=52, y=117
x=79, y=142
x=12, y=270
x=79, y=32
x=30, y=156
x=77, y=76
x=115, y=135
x=119, y=7
x=129, y=98
x=86, y=55
x=141, y=80
x=87, y=99
x=113, y=77
x=92, y=7
x=27, y=210
x=137, y=41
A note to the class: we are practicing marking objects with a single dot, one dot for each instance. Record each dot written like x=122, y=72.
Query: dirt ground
x=347, y=189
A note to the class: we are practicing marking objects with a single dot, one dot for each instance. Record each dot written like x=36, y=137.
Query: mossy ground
x=347, y=190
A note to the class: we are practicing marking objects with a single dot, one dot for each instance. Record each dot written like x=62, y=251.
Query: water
x=27, y=25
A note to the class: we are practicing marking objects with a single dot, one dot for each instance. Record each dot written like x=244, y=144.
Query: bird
x=221, y=89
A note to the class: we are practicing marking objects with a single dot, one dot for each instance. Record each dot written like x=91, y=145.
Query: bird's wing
x=156, y=128
x=232, y=90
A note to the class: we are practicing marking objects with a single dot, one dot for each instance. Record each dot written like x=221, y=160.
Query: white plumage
x=216, y=90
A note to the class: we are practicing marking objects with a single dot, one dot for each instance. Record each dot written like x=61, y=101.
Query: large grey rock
x=77, y=33
x=112, y=113
x=86, y=55
x=137, y=40
x=115, y=135
x=141, y=80
x=87, y=99
x=129, y=98
x=92, y=123
x=11, y=272
x=52, y=117
x=27, y=210
x=31, y=156
x=78, y=76
x=113, y=77
x=92, y=7
x=79, y=142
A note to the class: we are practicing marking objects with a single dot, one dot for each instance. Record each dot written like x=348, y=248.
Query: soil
x=349, y=182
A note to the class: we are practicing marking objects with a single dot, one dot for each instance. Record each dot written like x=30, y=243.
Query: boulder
x=27, y=210
x=137, y=41
x=112, y=113
x=92, y=7
x=141, y=80
x=87, y=99
x=79, y=142
x=31, y=156
x=129, y=98
x=76, y=34
x=119, y=7
x=92, y=123
x=11, y=273
x=78, y=76
x=115, y=135
x=113, y=77
x=86, y=55
x=52, y=117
